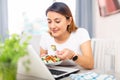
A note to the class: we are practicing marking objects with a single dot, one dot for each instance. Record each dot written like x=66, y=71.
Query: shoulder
x=81, y=30
x=45, y=39
x=81, y=35
x=45, y=35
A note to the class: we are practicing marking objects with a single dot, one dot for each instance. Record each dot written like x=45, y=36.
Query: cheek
x=64, y=27
x=49, y=26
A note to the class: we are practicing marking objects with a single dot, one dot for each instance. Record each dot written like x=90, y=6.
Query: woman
x=69, y=42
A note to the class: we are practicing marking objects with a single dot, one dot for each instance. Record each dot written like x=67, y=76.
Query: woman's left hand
x=65, y=54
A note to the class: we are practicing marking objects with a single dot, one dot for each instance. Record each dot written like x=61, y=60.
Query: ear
x=69, y=20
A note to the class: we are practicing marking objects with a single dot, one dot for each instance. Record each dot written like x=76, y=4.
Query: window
x=29, y=15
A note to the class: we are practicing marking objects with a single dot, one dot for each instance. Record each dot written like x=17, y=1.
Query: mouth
x=55, y=31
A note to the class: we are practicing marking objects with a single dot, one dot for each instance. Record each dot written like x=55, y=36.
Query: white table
x=117, y=75
x=23, y=77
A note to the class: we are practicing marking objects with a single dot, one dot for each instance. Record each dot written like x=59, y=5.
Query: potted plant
x=11, y=50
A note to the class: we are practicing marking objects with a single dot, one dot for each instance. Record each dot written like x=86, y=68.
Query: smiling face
x=57, y=24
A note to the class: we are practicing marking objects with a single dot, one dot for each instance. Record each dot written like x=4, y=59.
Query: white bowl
x=54, y=63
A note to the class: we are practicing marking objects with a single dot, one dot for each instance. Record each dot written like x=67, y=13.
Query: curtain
x=84, y=15
x=3, y=20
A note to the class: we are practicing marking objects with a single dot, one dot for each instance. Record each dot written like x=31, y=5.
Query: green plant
x=13, y=48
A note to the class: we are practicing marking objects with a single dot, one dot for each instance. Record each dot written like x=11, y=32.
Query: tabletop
x=82, y=70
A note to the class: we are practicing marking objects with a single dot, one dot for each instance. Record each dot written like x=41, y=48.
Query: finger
x=59, y=52
x=42, y=55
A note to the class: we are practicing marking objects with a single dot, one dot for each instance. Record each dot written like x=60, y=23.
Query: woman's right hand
x=65, y=54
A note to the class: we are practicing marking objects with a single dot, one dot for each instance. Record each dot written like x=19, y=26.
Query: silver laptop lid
x=37, y=67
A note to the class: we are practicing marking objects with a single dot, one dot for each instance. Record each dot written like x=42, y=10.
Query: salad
x=50, y=59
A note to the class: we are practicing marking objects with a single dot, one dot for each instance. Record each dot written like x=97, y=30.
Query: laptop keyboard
x=56, y=72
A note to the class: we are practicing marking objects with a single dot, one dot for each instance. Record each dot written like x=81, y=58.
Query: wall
x=106, y=27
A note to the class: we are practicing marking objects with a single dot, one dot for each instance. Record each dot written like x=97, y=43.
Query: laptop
x=40, y=70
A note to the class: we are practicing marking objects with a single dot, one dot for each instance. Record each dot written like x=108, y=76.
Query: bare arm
x=86, y=60
x=43, y=52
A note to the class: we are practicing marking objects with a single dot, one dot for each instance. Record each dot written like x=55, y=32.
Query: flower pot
x=8, y=71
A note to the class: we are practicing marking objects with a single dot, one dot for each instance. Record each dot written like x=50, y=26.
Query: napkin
x=91, y=76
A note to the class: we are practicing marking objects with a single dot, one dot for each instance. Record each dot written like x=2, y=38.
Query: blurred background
x=100, y=17
x=17, y=16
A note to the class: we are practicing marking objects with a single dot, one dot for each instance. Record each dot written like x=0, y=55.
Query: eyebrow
x=54, y=19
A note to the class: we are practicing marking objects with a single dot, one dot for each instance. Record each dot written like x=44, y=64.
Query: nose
x=52, y=25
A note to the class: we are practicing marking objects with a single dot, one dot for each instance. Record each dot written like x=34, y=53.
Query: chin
x=55, y=35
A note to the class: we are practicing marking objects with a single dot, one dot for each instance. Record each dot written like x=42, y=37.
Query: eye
x=57, y=21
x=49, y=21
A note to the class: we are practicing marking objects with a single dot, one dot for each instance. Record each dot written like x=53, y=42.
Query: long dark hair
x=64, y=10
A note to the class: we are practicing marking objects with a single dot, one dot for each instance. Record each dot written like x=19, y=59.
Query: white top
x=73, y=43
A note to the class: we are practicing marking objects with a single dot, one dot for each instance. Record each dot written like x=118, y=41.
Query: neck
x=62, y=38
